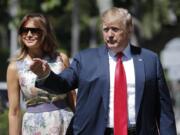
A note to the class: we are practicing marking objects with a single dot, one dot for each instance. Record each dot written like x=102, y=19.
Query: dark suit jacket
x=89, y=72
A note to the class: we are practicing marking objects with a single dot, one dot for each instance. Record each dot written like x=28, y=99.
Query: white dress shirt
x=130, y=78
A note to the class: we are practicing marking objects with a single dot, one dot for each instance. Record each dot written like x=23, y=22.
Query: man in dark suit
x=92, y=71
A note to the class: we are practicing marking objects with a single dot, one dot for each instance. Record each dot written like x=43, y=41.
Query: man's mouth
x=111, y=41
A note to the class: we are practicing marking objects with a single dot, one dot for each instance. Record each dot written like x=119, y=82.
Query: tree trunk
x=104, y=5
x=75, y=33
x=93, y=42
x=13, y=7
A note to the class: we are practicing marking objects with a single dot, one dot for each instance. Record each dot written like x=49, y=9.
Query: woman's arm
x=72, y=93
x=14, y=100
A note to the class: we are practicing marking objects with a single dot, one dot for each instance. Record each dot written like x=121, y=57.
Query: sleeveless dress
x=43, y=116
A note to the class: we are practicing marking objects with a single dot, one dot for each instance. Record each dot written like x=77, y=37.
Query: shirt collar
x=126, y=52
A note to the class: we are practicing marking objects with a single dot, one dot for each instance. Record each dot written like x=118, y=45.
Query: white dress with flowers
x=47, y=122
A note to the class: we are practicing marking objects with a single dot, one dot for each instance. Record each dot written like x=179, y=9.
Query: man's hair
x=119, y=14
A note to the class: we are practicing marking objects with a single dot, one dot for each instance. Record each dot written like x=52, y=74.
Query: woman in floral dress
x=46, y=114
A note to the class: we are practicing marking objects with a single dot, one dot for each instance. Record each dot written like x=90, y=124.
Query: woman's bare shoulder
x=12, y=66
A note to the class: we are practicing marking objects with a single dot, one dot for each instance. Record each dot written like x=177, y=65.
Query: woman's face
x=31, y=35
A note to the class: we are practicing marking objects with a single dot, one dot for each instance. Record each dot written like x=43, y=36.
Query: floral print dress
x=54, y=122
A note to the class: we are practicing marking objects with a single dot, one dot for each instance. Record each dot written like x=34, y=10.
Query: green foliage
x=155, y=14
x=14, y=23
x=4, y=123
x=50, y=4
x=3, y=62
x=152, y=15
x=176, y=6
x=88, y=8
x=5, y=17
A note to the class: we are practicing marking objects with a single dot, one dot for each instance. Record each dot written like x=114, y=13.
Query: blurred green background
x=76, y=23
x=76, y=26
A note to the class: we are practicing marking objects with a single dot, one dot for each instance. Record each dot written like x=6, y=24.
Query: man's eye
x=105, y=29
x=115, y=29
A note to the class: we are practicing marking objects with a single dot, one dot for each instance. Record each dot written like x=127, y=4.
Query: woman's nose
x=29, y=33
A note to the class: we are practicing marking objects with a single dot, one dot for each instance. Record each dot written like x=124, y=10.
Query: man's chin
x=111, y=46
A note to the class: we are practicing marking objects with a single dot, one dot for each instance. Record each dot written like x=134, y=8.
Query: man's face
x=115, y=35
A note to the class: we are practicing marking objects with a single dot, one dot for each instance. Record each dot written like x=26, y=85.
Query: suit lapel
x=139, y=77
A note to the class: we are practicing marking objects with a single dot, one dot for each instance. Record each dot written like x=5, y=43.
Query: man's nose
x=110, y=33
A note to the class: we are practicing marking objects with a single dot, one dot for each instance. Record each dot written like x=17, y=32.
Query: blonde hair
x=118, y=14
x=49, y=43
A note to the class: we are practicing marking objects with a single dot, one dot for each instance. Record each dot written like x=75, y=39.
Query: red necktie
x=120, y=99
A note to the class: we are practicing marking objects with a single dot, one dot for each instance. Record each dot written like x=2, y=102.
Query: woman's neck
x=35, y=54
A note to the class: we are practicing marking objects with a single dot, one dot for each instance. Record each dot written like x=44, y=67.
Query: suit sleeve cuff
x=42, y=79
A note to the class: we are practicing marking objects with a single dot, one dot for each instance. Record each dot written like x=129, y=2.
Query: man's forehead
x=115, y=23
